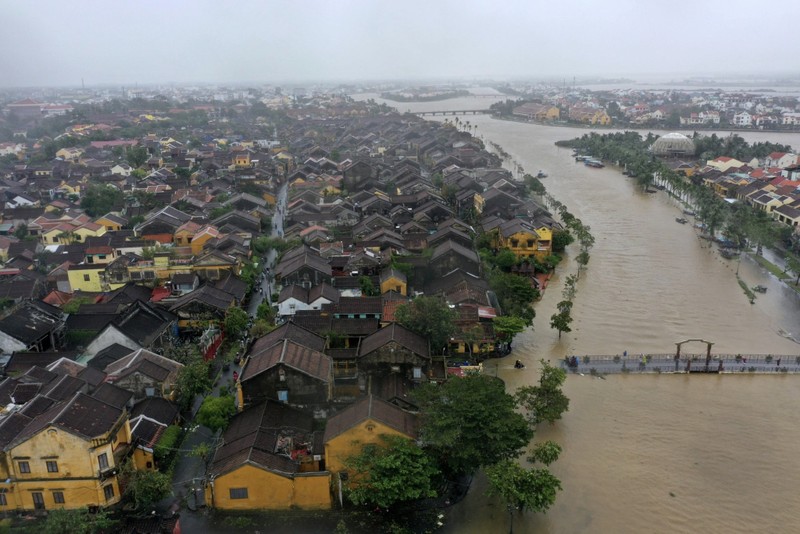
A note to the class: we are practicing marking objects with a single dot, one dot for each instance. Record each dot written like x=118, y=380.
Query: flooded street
x=652, y=453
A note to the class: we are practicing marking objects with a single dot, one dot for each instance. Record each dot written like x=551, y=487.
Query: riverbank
x=615, y=127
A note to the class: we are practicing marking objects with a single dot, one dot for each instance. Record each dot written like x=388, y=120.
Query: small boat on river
x=759, y=289
x=591, y=162
x=681, y=220
x=541, y=174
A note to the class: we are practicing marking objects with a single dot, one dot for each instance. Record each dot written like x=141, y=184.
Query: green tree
x=216, y=213
x=545, y=452
x=367, y=287
x=515, y=293
x=532, y=489
x=560, y=321
x=146, y=488
x=100, y=199
x=472, y=335
x=193, y=379
x=215, y=412
x=80, y=521
x=583, y=259
x=793, y=265
x=471, y=422
x=137, y=156
x=505, y=259
x=561, y=238
x=235, y=324
x=545, y=402
x=507, y=326
x=431, y=318
x=393, y=472
x=265, y=312
x=261, y=328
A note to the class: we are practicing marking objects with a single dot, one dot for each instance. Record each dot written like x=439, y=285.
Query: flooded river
x=651, y=453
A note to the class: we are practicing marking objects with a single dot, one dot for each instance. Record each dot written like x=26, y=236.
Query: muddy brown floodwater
x=650, y=453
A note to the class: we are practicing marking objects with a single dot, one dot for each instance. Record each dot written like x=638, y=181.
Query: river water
x=669, y=453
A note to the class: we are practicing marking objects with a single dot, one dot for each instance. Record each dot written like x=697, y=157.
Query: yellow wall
x=198, y=242
x=391, y=285
x=109, y=225
x=140, y=459
x=268, y=491
x=83, y=233
x=78, y=469
x=349, y=443
x=93, y=285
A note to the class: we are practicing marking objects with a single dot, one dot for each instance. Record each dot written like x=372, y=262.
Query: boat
x=591, y=162
x=759, y=289
x=728, y=254
x=541, y=174
x=582, y=158
x=681, y=220
x=689, y=213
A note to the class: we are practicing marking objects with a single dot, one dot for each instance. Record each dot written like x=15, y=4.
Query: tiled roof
x=252, y=438
x=290, y=354
x=401, y=335
x=371, y=407
x=292, y=332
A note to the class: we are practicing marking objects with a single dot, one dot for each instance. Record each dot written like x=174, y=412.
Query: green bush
x=167, y=444
x=768, y=359
x=586, y=359
x=616, y=359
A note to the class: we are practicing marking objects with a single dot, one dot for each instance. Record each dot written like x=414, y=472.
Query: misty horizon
x=94, y=43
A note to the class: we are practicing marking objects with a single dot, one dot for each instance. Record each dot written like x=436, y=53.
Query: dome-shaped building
x=673, y=144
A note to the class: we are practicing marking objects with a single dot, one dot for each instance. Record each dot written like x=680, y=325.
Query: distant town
x=230, y=294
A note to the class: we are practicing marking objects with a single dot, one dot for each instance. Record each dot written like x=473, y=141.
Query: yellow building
x=269, y=460
x=393, y=280
x=242, y=159
x=86, y=277
x=523, y=240
x=363, y=423
x=89, y=229
x=68, y=456
x=111, y=222
x=203, y=236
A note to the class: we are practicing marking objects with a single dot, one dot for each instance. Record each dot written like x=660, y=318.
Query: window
x=108, y=491
x=238, y=493
x=283, y=395
x=38, y=500
x=85, y=277
x=103, y=461
x=52, y=466
x=3, y=500
x=101, y=256
x=149, y=275
x=58, y=497
x=24, y=467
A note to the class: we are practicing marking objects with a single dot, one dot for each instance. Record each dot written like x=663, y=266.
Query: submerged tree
x=392, y=472
x=545, y=402
x=471, y=422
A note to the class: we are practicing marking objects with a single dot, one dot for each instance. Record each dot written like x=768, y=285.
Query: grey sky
x=58, y=42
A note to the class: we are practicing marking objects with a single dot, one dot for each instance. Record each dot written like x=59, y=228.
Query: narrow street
x=189, y=471
x=266, y=286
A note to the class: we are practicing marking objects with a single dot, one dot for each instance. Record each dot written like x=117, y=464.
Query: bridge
x=454, y=112
x=683, y=364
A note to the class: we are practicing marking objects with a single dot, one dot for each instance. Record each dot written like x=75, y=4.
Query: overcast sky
x=58, y=42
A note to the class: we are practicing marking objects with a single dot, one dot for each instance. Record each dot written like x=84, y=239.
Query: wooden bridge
x=454, y=112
